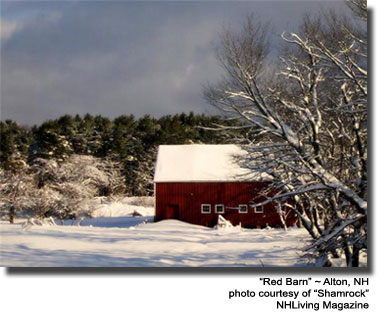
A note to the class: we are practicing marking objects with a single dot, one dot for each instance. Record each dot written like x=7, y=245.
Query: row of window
x=219, y=208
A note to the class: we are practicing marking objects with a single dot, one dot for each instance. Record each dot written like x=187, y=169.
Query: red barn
x=197, y=183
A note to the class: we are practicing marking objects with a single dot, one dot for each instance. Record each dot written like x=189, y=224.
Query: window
x=259, y=209
x=219, y=208
x=205, y=208
x=243, y=208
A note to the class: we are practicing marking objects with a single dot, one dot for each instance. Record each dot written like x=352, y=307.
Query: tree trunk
x=307, y=225
x=355, y=255
x=348, y=255
x=12, y=214
x=316, y=221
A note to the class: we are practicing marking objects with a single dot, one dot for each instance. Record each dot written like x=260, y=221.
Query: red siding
x=183, y=201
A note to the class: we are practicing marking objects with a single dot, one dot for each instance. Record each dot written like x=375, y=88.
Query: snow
x=223, y=223
x=166, y=243
x=123, y=208
x=198, y=163
x=128, y=241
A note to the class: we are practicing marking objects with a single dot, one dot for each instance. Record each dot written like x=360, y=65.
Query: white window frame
x=217, y=205
x=205, y=204
x=259, y=206
x=243, y=205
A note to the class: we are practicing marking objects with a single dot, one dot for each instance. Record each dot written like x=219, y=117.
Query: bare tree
x=307, y=121
x=48, y=188
x=15, y=194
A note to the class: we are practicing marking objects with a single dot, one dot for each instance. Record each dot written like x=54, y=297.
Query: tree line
x=131, y=142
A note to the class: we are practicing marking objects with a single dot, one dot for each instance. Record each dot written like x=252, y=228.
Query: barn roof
x=201, y=163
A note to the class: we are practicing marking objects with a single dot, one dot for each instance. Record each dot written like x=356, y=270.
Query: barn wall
x=183, y=201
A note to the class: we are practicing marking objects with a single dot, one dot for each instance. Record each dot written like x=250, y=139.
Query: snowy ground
x=128, y=241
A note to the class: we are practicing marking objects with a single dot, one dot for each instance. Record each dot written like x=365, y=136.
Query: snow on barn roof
x=200, y=163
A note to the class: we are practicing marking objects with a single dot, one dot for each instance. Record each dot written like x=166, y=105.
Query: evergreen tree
x=50, y=143
x=14, y=144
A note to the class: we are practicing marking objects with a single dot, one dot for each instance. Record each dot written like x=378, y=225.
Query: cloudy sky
x=113, y=58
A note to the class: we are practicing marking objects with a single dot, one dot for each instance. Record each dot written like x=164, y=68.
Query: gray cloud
x=115, y=58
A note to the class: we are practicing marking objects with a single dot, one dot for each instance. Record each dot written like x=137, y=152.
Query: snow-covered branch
x=308, y=117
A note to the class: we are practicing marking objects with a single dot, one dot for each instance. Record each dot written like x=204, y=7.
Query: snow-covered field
x=118, y=239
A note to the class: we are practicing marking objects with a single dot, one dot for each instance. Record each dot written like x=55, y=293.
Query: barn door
x=172, y=211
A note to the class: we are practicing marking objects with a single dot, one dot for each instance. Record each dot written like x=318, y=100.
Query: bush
x=48, y=188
